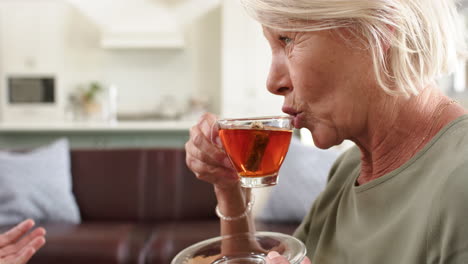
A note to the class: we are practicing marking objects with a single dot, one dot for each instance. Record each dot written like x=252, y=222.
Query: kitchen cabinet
x=32, y=36
x=32, y=44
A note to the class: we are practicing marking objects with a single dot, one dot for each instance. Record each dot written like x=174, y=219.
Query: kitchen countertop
x=126, y=126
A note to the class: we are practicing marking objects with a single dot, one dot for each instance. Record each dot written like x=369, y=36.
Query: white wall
x=146, y=77
x=246, y=61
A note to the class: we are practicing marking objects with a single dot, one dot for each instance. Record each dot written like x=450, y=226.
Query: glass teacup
x=245, y=248
x=256, y=147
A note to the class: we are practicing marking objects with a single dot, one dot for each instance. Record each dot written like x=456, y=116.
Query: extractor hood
x=133, y=24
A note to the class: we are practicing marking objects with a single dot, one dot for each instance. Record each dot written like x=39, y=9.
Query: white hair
x=423, y=37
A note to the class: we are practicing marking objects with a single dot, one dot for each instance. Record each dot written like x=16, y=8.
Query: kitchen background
x=158, y=59
x=136, y=60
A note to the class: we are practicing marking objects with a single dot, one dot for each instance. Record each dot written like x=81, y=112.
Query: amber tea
x=256, y=147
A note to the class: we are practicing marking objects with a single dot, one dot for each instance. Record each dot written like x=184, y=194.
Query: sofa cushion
x=139, y=185
x=302, y=177
x=109, y=184
x=37, y=184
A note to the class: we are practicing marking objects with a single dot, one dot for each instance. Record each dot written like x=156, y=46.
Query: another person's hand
x=275, y=258
x=205, y=156
x=18, y=248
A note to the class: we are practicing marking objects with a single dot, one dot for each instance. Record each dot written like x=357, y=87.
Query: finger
x=207, y=153
x=213, y=174
x=201, y=148
x=11, y=249
x=16, y=232
x=20, y=258
x=209, y=128
x=274, y=257
x=205, y=170
x=35, y=245
x=306, y=260
x=204, y=129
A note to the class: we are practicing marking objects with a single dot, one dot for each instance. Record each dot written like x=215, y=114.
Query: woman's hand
x=275, y=258
x=205, y=156
x=15, y=248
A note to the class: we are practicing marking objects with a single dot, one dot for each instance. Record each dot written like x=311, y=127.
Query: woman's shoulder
x=449, y=149
x=450, y=202
x=448, y=231
x=456, y=132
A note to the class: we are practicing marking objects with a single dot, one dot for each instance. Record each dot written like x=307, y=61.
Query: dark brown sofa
x=137, y=206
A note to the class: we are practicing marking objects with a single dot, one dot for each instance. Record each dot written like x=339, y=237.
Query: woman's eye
x=285, y=39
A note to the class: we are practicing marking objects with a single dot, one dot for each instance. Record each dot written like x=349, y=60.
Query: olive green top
x=417, y=213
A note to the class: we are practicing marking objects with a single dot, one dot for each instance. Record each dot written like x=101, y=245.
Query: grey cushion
x=302, y=177
x=37, y=184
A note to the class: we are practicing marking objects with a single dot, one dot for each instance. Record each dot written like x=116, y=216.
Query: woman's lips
x=297, y=121
x=289, y=110
x=296, y=114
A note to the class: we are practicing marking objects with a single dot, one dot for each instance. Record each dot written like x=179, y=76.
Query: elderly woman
x=364, y=70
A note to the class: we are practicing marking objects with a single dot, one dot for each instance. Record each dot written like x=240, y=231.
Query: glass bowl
x=244, y=248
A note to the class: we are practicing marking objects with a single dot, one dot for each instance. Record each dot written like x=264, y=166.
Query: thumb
x=306, y=260
x=274, y=257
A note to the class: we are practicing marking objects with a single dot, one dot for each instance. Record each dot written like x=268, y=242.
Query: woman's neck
x=400, y=128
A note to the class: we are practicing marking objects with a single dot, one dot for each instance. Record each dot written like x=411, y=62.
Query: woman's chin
x=325, y=142
x=322, y=145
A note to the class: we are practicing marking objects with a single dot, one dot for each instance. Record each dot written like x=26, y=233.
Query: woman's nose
x=279, y=81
